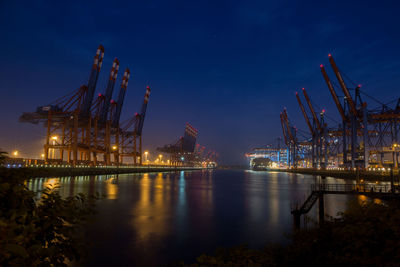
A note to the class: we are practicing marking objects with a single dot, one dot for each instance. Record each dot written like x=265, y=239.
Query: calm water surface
x=153, y=219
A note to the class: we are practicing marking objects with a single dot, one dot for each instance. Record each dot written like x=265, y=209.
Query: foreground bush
x=43, y=232
x=365, y=235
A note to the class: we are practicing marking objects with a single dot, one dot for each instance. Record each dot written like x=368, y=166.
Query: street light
x=393, y=165
x=114, y=148
x=15, y=153
x=146, y=153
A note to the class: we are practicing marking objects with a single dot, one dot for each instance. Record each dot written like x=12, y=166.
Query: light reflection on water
x=151, y=219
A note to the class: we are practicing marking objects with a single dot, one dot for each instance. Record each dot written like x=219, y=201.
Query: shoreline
x=38, y=172
x=345, y=174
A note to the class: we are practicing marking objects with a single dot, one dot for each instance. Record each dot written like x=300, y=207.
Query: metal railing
x=352, y=188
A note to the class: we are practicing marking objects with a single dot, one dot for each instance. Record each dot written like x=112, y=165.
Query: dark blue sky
x=228, y=67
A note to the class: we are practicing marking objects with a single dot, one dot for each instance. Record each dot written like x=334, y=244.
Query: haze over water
x=152, y=219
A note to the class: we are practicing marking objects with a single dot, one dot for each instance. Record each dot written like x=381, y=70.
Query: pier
x=318, y=191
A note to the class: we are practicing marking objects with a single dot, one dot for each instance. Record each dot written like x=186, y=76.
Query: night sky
x=227, y=67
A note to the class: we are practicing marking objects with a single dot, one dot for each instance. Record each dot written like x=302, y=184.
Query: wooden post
x=296, y=219
x=321, y=210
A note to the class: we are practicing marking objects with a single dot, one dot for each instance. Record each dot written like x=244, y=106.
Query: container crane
x=132, y=130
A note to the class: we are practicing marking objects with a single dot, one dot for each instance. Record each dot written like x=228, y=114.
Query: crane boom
x=109, y=91
x=304, y=114
x=286, y=119
x=312, y=110
x=94, y=75
x=333, y=93
x=121, y=97
x=140, y=117
x=283, y=129
x=343, y=86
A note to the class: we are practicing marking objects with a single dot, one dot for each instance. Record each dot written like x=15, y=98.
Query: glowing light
x=42, y=155
x=321, y=66
x=114, y=147
x=54, y=137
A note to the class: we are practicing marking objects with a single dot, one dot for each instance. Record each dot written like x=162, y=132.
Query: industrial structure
x=365, y=137
x=275, y=152
x=185, y=151
x=84, y=130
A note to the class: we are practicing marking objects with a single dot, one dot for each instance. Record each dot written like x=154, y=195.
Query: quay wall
x=32, y=172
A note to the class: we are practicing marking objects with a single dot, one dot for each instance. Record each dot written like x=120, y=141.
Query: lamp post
x=393, y=165
x=146, y=153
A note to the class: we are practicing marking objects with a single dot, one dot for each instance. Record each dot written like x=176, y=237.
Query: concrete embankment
x=32, y=172
x=347, y=174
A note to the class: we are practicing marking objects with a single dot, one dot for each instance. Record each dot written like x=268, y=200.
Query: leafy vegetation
x=365, y=235
x=40, y=232
x=3, y=156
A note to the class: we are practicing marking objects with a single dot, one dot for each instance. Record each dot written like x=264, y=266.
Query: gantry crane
x=85, y=128
x=131, y=131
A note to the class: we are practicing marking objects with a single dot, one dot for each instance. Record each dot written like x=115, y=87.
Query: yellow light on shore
x=15, y=153
x=55, y=137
